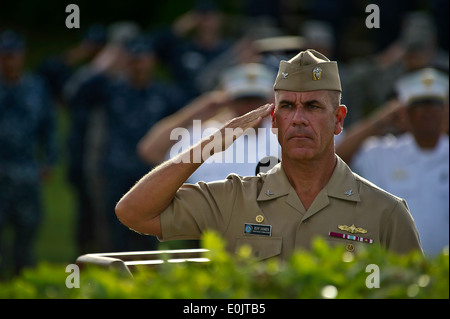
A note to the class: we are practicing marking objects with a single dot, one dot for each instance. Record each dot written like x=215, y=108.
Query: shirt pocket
x=262, y=247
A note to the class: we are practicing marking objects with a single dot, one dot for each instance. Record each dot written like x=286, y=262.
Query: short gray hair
x=335, y=97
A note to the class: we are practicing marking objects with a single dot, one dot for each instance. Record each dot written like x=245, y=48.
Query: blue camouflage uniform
x=131, y=112
x=56, y=70
x=186, y=57
x=60, y=73
x=27, y=142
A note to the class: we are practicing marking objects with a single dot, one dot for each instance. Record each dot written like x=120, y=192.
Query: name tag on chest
x=255, y=229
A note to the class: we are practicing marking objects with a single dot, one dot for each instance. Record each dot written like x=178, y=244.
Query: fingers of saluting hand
x=265, y=110
x=253, y=118
x=238, y=125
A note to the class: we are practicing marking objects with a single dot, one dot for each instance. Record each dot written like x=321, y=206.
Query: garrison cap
x=427, y=83
x=308, y=71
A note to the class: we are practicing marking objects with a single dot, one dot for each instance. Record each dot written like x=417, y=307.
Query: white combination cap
x=427, y=83
x=248, y=80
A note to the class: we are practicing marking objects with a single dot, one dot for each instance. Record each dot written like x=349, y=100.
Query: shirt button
x=350, y=247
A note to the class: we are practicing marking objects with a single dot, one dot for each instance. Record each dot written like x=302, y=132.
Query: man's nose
x=299, y=117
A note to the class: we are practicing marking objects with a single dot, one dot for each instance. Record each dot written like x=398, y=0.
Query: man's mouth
x=299, y=136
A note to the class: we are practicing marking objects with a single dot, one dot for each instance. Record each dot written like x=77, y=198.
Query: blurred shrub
x=323, y=272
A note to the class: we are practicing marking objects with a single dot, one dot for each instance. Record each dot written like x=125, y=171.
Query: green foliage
x=323, y=272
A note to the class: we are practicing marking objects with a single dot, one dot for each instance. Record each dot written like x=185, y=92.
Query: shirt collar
x=275, y=184
x=342, y=183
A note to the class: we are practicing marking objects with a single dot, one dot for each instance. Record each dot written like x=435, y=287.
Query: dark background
x=43, y=22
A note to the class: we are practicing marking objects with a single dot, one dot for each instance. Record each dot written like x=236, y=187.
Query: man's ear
x=274, y=122
x=341, y=113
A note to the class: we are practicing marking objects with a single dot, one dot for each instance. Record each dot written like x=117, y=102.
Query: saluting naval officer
x=312, y=192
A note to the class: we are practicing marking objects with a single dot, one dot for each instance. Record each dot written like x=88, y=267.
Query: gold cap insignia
x=352, y=229
x=317, y=73
x=427, y=80
x=251, y=77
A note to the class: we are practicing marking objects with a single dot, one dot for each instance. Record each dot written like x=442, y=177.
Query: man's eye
x=286, y=106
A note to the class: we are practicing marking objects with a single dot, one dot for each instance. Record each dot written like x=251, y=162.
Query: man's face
x=425, y=117
x=11, y=64
x=307, y=123
x=208, y=21
x=140, y=66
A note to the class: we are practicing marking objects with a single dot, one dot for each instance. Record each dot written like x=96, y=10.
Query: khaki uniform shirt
x=266, y=213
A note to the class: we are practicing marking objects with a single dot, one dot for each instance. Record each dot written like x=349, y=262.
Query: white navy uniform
x=421, y=177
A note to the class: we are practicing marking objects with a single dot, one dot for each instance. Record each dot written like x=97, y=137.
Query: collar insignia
x=349, y=192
